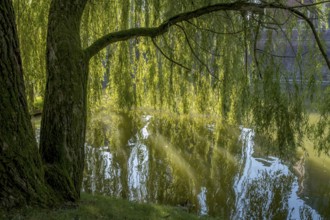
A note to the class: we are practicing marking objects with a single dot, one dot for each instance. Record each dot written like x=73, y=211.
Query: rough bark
x=64, y=114
x=21, y=173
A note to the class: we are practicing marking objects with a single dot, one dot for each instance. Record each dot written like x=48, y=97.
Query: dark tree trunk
x=64, y=114
x=21, y=173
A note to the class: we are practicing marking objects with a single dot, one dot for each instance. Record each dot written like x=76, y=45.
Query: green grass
x=102, y=207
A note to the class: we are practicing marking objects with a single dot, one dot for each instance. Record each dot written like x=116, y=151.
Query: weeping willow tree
x=259, y=66
x=222, y=57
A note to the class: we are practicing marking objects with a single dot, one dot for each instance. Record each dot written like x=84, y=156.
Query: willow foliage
x=31, y=20
x=261, y=69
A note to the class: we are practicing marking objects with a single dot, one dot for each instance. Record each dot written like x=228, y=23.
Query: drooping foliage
x=258, y=68
x=31, y=21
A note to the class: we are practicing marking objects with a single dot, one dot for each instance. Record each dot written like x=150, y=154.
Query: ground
x=102, y=207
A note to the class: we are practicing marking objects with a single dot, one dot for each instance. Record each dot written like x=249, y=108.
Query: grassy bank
x=102, y=207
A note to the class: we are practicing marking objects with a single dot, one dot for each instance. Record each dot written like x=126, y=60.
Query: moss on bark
x=64, y=114
x=21, y=172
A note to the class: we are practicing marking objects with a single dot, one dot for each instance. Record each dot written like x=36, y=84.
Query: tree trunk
x=64, y=113
x=21, y=173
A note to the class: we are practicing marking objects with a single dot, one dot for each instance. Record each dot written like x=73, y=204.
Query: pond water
x=201, y=166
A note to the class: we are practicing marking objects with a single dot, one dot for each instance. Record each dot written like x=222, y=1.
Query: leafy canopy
x=257, y=66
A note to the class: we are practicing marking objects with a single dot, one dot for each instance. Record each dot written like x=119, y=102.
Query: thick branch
x=123, y=35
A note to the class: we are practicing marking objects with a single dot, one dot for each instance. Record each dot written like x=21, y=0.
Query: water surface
x=200, y=166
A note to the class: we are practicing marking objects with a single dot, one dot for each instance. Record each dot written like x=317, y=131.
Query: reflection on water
x=197, y=165
x=102, y=173
x=202, y=201
x=265, y=183
x=138, y=165
x=138, y=172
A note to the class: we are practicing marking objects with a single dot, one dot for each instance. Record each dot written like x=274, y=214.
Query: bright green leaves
x=31, y=20
x=320, y=130
x=260, y=69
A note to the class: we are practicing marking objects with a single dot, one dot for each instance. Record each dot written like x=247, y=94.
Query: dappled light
x=162, y=168
x=219, y=108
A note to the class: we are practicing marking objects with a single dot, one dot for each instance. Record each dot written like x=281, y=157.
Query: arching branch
x=123, y=35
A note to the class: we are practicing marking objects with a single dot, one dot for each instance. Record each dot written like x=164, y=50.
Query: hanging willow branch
x=316, y=36
x=124, y=35
x=194, y=53
x=167, y=57
x=289, y=42
x=256, y=36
